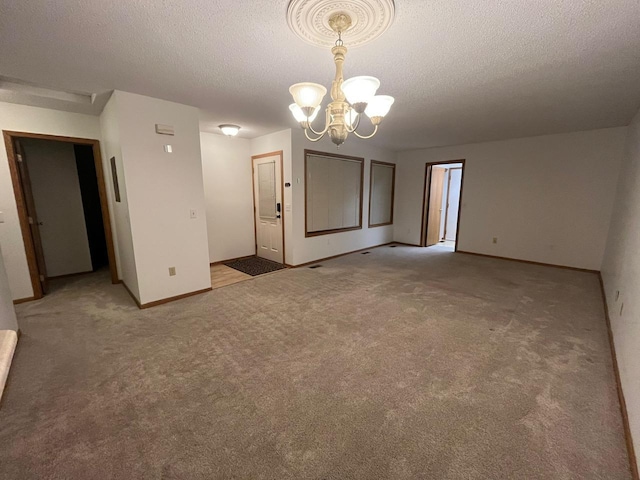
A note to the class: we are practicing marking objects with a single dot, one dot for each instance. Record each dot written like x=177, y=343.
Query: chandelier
x=350, y=98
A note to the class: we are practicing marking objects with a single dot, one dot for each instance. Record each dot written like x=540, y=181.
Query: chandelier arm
x=353, y=130
x=306, y=134
x=364, y=137
x=318, y=133
x=326, y=123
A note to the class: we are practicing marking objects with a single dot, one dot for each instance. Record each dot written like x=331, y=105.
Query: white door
x=267, y=191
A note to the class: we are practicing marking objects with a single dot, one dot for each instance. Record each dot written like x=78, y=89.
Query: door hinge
x=19, y=157
x=30, y=221
x=42, y=278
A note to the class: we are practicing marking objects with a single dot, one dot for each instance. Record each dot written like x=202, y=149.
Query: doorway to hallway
x=442, y=204
x=60, y=194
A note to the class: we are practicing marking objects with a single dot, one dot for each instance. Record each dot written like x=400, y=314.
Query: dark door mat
x=255, y=266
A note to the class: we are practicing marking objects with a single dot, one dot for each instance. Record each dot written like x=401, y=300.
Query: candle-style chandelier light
x=350, y=98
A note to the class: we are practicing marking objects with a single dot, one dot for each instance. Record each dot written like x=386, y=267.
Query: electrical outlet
x=172, y=271
x=495, y=239
x=617, y=295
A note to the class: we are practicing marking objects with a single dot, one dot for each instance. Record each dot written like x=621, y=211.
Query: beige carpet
x=404, y=363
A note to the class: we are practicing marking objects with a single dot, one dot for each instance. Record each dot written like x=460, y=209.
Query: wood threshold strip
x=222, y=262
x=633, y=463
x=576, y=269
x=67, y=275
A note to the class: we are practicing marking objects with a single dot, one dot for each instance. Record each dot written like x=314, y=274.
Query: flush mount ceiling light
x=350, y=98
x=229, y=130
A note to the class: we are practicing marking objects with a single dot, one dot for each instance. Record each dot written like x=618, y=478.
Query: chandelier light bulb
x=379, y=106
x=307, y=95
x=351, y=117
x=360, y=90
x=300, y=116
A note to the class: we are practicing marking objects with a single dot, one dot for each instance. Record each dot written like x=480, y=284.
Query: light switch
x=193, y=214
x=168, y=148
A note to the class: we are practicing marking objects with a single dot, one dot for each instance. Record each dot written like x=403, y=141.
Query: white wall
x=119, y=211
x=621, y=273
x=8, y=326
x=8, y=319
x=22, y=118
x=547, y=199
x=226, y=169
x=312, y=248
x=162, y=189
x=274, y=142
x=58, y=201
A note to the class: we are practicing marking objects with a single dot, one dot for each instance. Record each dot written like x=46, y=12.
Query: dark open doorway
x=442, y=204
x=60, y=193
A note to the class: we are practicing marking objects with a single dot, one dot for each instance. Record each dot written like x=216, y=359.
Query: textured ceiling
x=461, y=70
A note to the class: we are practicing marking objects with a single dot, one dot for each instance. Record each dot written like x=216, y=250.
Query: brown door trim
x=426, y=195
x=32, y=214
x=282, y=209
x=22, y=213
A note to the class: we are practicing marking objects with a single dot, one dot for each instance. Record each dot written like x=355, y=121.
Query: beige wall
x=274, y=142
x=621, y=273
x=162, y=190
x=8, y=319
x=312, y=248
x=226, y=167
x=547, y=199
x=119, y=211
x=35, y=120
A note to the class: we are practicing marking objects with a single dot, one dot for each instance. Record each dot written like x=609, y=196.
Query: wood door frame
x=253, y=193
x=29, y=247
x=426, y=194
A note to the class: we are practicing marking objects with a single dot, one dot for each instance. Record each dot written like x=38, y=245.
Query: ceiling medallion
x=309, y=19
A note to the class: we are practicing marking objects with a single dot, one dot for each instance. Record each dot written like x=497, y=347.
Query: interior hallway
x=403, y=363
